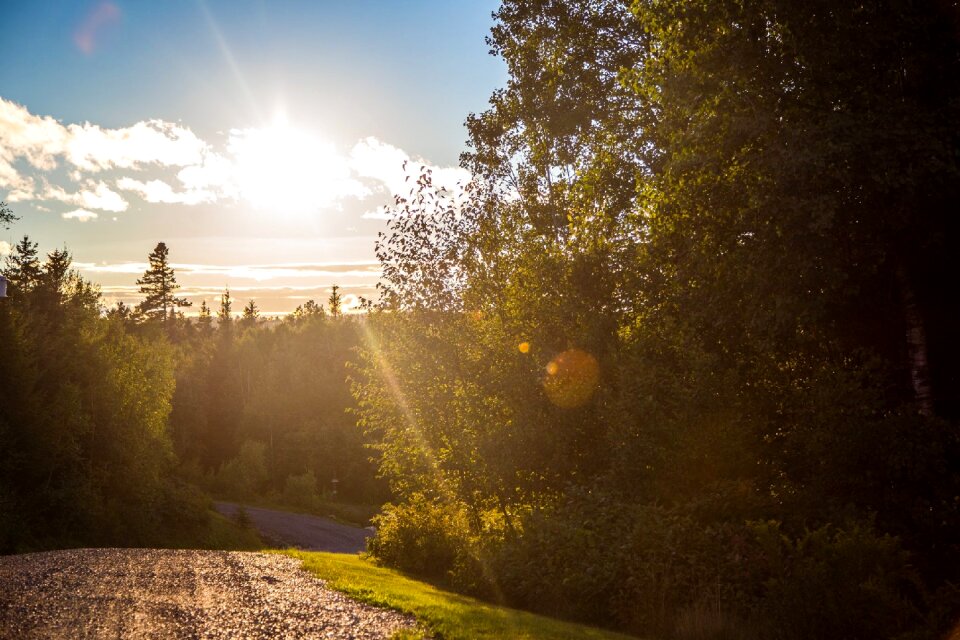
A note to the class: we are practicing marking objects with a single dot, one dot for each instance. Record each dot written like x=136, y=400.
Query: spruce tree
x=159, y=285
x=335, y=302
x=250, y=314
x=224, y=316
x=22, y=267
x=206, y=318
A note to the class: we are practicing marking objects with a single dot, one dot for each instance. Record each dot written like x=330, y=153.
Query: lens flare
x=572, y=378
x=524, y=347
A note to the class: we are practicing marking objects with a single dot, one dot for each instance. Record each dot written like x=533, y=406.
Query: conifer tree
x=224, y=316
x=206, y=318
x=250, y=314
x=22, y=267
x=159, y=284
x=335, y=302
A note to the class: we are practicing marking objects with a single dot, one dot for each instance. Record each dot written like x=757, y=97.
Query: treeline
x=112, y=421
x=85, y=458
x=682, y=360
x=263, y=412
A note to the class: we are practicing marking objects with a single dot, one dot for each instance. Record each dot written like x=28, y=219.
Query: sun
x=290, y=170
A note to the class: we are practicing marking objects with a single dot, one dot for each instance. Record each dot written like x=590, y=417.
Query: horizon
x=260, y=143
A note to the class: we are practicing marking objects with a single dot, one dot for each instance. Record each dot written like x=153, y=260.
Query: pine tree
x=22, y=267
x=335, y=302
x=250, y=314
x=206, y=318
x=159, y=284
x=224, y=316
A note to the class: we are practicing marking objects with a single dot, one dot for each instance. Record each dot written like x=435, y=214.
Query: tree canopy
x=692, y=312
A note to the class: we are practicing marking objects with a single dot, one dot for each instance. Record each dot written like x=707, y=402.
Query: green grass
x=444, y=615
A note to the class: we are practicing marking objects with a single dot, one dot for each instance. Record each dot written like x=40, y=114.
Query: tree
x=159, y=284
x=250, y=314
x=307, y=311
x=741, y=220
x=22, y=267
x=335, y=302
x=225, y=314
x=205, y=319
x=6, y=216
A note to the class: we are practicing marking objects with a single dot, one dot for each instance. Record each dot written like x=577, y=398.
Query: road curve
x=312, y=533
x=150, y=593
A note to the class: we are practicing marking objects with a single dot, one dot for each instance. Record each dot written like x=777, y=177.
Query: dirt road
x=312, y=533
x=147, y=593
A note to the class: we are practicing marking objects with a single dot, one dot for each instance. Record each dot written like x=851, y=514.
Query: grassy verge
x=445, y=615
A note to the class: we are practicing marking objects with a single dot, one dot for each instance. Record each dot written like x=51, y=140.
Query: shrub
x=423, y=537
x=244, y=477
x=301, y=490
x=835, y=582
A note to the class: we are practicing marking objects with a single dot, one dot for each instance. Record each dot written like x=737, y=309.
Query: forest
x=681, y=360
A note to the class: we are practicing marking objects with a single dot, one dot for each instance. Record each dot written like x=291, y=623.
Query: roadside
x=303, y=531
x=443, y=614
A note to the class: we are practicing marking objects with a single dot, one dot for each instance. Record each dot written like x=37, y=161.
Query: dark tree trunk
x=917, y=355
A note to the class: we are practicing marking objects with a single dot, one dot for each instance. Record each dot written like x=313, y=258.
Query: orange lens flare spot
x=572, y=378
x=524, y=347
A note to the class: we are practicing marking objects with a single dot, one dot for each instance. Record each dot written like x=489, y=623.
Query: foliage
x=86, y=457
x=280, y=390
x=6, y=216
x=301, y=490
x=422, y=538
x=699, y=281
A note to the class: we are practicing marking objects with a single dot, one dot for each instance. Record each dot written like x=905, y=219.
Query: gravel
x=150, y=593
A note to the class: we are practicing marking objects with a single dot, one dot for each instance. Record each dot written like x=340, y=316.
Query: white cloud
x=80, y=214
x=95, y=196
x=160, y=191
x=398, y=171
x=214, y=175
x=36, y=139
x=89, y=147
x=92, y=148
x=102, y=197
x=22, y=192
x=277, y=168
x=5, y=248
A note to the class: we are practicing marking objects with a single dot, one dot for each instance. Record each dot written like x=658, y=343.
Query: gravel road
x=148, y=593
x=312, y=533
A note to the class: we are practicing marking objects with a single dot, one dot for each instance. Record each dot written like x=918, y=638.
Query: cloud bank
x=101, y=170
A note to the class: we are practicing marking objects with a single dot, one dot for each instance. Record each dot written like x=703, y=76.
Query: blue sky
x=241, y=133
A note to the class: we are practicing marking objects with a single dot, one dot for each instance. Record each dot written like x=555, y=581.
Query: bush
x=244, y=477
x=301, y=491
x=835, y=582
x=423, y=537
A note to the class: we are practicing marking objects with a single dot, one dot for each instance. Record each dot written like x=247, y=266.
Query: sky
x=259, y=140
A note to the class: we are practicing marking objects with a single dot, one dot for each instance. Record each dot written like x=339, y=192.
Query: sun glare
x=288, y=170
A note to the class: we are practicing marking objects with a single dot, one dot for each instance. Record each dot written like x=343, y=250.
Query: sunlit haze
x=260, y=142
